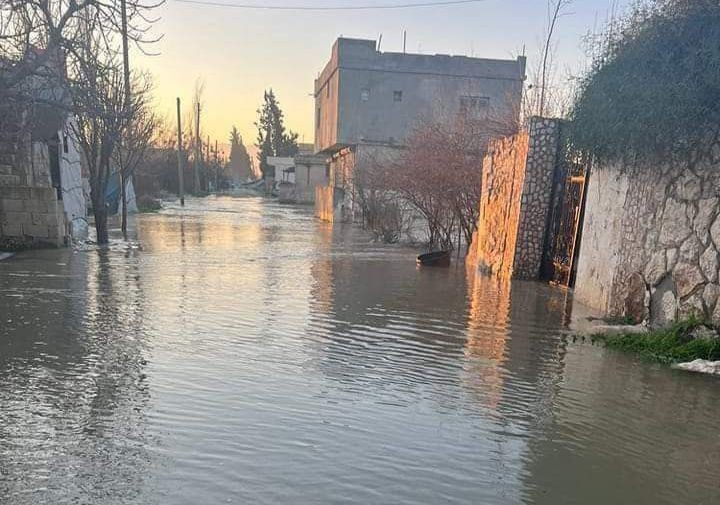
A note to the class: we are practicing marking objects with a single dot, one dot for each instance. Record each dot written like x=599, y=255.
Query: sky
x=237, y=53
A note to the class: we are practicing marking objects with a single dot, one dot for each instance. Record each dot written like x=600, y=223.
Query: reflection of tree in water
x=72, y=390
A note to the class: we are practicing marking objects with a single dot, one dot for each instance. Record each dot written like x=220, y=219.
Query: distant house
x=367, y=102
x=297, y=177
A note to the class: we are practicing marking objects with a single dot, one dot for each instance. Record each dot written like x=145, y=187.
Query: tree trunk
x=101, y=229
x=123, y=202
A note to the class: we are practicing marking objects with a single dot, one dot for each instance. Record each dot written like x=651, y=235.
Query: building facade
x=367, y=102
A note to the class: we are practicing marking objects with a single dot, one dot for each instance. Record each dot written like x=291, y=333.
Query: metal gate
x=566, y=218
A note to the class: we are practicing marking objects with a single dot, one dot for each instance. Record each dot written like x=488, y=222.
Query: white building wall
x=602, y=235
x=71, y=181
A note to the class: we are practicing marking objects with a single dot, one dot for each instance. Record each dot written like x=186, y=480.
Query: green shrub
x=654, y=87
x=672, y=344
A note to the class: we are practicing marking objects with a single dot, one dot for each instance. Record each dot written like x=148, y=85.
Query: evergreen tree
x=273, y=139
x=240, y=169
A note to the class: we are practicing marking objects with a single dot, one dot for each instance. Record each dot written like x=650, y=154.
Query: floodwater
x=241, y=352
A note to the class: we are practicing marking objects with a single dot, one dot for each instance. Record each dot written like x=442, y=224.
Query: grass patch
x=673, y=344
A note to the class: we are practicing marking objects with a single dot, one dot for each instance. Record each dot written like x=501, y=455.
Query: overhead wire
x=365, y=7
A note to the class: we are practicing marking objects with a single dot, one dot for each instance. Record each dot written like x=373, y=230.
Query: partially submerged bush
x=147, y=203
x=680, y=342
x=654, y=88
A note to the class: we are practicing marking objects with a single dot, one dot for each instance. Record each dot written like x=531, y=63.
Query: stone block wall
x=502, y=184
x=30, y=212
x=31, y=215
x=324, y=203
x=651, y=241
x=537, y=195
x=517, y=194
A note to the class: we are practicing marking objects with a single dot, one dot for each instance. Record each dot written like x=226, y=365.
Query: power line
x=330, y=8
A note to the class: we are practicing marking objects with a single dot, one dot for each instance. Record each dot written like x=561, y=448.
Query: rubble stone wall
x=537, y=196
x=650, y=241
x=499, y=211
x=517, y=195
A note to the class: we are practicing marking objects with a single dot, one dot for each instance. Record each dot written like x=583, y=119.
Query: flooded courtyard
x=239, y=351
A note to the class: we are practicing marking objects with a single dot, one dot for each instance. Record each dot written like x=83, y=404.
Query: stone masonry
x=30, y=212
x=517, y=194
x=536, y=197
x=650, y=241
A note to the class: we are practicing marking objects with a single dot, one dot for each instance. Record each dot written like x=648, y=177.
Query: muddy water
x=242, y=352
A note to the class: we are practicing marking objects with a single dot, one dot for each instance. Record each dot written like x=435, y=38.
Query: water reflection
x=239, y=350
x=73, y=388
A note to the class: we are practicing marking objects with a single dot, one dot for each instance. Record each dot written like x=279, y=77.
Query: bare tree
x=556, y=9
x=98, y=95
x=140, y=129
x=41, y=36
x=439, y=174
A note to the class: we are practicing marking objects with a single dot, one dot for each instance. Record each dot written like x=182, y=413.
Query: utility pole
x=198, y=151
x=126, y=69
x=181, y=188
x=217, y=169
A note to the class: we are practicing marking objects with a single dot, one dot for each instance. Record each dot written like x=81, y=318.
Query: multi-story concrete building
x=367, y=101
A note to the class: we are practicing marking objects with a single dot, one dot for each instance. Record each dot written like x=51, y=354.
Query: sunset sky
x=239, y=52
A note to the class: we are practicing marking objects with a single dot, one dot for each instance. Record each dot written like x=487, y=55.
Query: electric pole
x=198, y=151
x=126, y=69
x=181, y=188
x=217, y=169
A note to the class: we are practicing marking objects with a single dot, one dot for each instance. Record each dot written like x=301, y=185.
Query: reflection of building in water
x=514, y=340
x=487, y=334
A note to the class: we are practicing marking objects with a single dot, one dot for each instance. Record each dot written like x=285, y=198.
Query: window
x=65, y=143
x=317, y=119
x=365, y=94
x=327, y=90
x=475, y=106
x=397, y=96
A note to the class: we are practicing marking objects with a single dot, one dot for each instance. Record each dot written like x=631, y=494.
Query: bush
x=147, y=203
x=654, y=88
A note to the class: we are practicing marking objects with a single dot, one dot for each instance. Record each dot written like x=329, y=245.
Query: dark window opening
x=54, y=158
x=476, y=106
x=397, y=96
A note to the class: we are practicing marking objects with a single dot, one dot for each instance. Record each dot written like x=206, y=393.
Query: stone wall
x=31, y=215
x=517, y=195
x=30, y=211
x=537, y=194
x=502, y=182
x=324, y=208
x=650, y=241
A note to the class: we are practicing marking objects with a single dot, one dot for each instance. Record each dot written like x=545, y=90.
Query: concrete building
x=42, y=200
x=297, y=177
x=367, y=101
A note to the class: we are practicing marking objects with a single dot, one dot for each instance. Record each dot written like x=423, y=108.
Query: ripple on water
x=238, y=350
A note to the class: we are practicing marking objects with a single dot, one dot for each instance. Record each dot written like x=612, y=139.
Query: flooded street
x=240, y=351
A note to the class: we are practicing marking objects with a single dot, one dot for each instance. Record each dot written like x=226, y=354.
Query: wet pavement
x=239, y=351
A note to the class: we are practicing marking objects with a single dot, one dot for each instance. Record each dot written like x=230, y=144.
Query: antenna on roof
x=404, y=40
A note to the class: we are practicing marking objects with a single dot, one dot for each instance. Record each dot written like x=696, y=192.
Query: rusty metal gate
x=566, y=217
